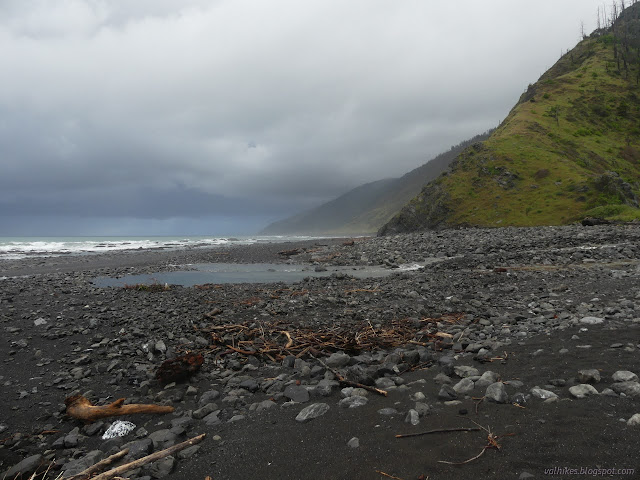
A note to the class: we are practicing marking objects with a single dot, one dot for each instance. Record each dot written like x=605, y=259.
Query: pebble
x=542, y=394
x=354, y=442
x=634, y=421
x=624, y=376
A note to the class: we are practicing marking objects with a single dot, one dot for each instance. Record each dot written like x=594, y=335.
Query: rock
x=526, y=476
x=27, y=466
x=385, y=383
x=297, y=393
x=441, y=378
x=76, y=466
x=354, y=442
x=447, y=393
x=138, y=449
x=542, y=394
x=161, y=468
x=591, y=320
x=413, y=417
x=589, y=376
x=338, y=360
x=583, y=390
x=163, y=439
x=487, y=379
x=212, y=419
x=324, y=387
x=496, y=392
x=265, y=405
x=463, y=371
x=353, y=401
x=204, y=411
x=631, y=389
x=188, y=452
x=423, y=409
x=464, y=386
x=208, y=397
x=312, y=411
x=624, y=376
x=634, y=421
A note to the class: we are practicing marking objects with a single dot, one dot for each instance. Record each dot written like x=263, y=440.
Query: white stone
x=542, y=394
x=624, y=376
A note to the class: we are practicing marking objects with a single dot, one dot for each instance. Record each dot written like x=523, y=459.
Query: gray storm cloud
x=250, y=109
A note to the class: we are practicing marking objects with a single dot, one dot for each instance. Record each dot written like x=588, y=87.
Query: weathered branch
x=98, y=466
x=441, y=430
x=81, y=408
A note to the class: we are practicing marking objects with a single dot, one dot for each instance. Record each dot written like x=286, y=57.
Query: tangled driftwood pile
x=276, y=339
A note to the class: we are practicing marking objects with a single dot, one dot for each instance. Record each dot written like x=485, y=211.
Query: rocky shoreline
x=533, y=332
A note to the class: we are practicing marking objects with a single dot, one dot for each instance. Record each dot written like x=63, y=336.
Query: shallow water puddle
x=199, y=274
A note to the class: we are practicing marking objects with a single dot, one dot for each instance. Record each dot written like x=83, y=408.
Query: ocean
x=12, y=248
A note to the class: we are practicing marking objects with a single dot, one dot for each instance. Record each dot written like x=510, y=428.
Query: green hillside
x=366, y=208
x=569, y=149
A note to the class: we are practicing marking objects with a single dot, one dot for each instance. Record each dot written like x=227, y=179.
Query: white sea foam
x=14, y=248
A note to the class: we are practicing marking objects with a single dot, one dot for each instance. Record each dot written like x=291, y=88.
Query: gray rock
x=76, y=466
x=583, y=390
x=138, y=449
x=204, y=411
x=624, y=376
x=423, y=409
x=589, y=376
x=591, y=320
x=338, y=360
x=526, y=476
x=631, y=389
x=312, y=411
x=250, y=385
x=265, y=405
x=208, y=397
x=353, y=401
x=634, y=421
x=542, y=394
x=297, y=393
x=385, y=383
x=354, y=442
x=487, y=379
x=413, y=417
x=496, y=392
x=463, y=371
x=27, y=466
x=188, y=452
x=464, y=386
x=163, y=439
x=324, y=387
x=441, y=378
x=447, y=393
x=161, y=468
x=212, y=419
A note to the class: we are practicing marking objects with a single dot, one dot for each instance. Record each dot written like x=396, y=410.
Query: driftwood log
x=81, y=408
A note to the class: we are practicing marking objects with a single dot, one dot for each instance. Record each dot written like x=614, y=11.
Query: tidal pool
x=199, y=274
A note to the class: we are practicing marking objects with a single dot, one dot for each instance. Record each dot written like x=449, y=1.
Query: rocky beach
x=511, y=353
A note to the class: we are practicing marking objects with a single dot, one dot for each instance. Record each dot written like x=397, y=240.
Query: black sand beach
x=555, y=308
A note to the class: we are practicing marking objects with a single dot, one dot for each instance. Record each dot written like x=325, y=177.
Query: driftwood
x=114, y=472
x=441, y=430
x=276, y=340
x=98, y=466
x=81, y=408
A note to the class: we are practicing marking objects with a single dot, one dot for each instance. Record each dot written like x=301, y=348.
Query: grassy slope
x=544, y=165
x=554, y=161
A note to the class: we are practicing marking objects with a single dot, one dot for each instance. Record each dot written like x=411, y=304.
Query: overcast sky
x=216, y=117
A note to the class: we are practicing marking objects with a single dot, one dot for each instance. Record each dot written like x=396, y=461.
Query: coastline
x=522, y=294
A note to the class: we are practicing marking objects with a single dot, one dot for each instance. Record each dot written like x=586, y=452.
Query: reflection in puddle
x=247, y=273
